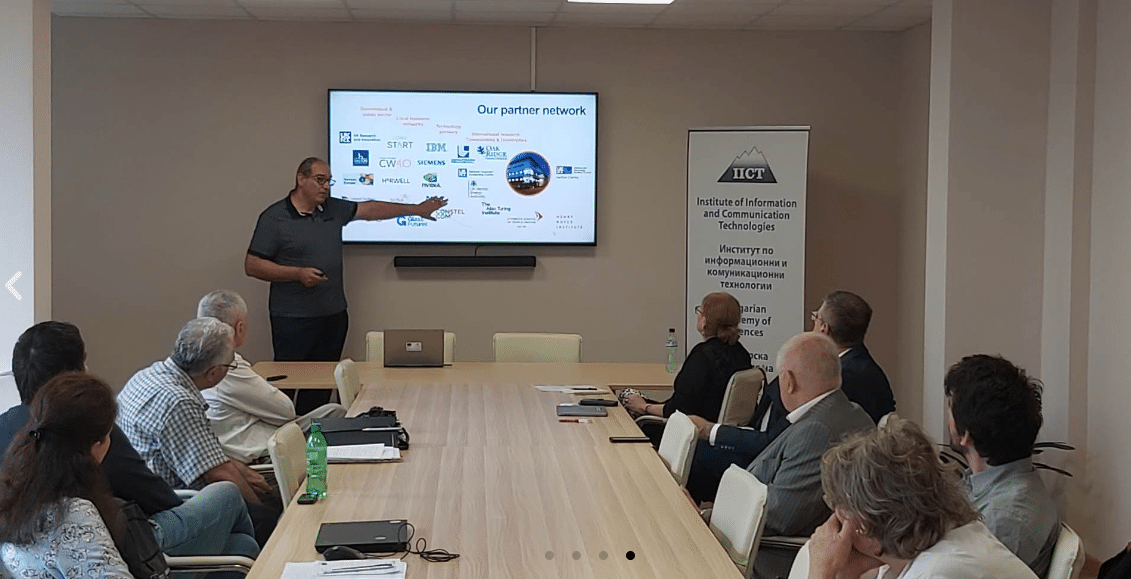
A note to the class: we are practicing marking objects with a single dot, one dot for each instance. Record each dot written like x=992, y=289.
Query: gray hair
x=224, y=305
x=202, y=344
x=815, y=359
x=891, y=483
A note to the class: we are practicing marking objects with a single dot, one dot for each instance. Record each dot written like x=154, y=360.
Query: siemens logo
x=430, y=162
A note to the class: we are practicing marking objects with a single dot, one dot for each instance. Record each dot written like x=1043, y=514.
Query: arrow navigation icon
x=12, y=289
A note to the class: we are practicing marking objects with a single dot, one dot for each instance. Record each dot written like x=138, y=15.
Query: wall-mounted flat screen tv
x=515, y=168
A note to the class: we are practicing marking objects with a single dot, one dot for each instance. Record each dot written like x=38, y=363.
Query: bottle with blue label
x=673, y=350
x=316, y=462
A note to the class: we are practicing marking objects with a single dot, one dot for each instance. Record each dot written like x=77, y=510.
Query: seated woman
x=896, y=508
x=54, y=500
x=702, y=381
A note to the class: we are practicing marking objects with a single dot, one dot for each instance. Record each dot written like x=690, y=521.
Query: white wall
x=25, y=170
x=1109, y=394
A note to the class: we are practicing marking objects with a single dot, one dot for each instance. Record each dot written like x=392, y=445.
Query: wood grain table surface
x=493, y=475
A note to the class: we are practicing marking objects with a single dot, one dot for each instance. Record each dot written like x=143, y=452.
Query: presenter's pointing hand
x=311, y=276
x=430, y=205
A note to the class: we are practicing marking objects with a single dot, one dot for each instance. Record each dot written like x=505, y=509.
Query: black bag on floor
x=140, y=550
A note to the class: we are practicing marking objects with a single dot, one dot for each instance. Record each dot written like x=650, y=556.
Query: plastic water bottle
x=316, y=462
x=673, y=350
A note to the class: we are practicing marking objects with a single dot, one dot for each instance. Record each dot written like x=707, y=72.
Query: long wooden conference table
x=493, y=475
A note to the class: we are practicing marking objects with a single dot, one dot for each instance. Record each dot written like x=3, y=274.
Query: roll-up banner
x=746, y=230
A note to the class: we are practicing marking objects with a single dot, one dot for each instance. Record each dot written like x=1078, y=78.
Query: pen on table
x=360, y=569
x=579, y=420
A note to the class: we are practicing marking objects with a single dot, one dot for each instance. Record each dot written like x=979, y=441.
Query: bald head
x=808, y=366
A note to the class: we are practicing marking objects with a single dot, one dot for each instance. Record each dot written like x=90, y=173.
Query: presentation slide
x=515, y=167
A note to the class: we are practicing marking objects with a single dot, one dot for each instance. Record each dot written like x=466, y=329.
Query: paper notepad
x=364, y=569
x=362, y=453
x=572, y=389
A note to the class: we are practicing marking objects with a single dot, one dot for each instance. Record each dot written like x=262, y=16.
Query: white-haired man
x=162, y=413
x=244, y=409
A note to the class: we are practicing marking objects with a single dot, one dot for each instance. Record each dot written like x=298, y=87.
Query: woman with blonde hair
x=896, y=507
x=702, y=381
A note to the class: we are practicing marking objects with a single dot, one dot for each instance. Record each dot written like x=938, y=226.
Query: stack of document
x=363, y=569
x=572, y=389
x=362, y=453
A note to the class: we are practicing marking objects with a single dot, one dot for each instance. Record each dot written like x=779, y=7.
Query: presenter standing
x=297, y=247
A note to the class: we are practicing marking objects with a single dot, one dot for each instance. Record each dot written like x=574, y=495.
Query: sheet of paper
x=362, y=453
x=364, y=569
x=572, y=388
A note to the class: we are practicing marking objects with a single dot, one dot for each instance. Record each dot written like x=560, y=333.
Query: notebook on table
x=365, y=536
x=361, y=430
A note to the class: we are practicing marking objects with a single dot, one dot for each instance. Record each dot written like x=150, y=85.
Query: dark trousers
x=265, y=515
x=707, y=468
x=318, y=339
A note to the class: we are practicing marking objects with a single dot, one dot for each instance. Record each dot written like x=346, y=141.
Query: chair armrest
x=267, y=467
x=210, y=563
x=185, y=494
x=649, y=419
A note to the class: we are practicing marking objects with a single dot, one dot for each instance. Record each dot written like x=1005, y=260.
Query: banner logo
x=360, y=158
x=749, y=167
x=345, y=137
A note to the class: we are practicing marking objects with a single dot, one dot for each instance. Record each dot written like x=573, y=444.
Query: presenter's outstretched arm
x=374, y=210
x=268, y=270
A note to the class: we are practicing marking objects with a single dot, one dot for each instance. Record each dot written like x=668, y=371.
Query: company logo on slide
x=433, y=162
x=436, y=147
x=463, y=154
x=394, y=163
x=357, y=179
x=564, y=170
x=447, y=213
x=361, y=158
x=345, y=137
x=461, y=172
x=749, y=167
x=399, y=144
x=431, y=180
x=491, y=152
x=395, y=180
x=411, y=221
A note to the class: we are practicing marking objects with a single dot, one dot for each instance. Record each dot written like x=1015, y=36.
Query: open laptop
x=414, y=348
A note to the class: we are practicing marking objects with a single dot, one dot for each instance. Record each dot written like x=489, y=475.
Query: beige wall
x=907, y=379
x=986, y=180
x=1109, y=395
x=171, y=136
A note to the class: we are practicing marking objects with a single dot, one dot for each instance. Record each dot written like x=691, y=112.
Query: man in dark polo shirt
x=297, y=246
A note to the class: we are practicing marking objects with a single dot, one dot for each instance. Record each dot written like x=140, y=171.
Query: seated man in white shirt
x=244, y=409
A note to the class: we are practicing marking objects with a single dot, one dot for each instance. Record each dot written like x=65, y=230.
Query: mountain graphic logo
x=749, y=167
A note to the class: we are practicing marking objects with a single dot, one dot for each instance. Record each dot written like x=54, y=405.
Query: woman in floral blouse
x=54, y=500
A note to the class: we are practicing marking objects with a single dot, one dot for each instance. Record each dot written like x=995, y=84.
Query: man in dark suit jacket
x=843, y=317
